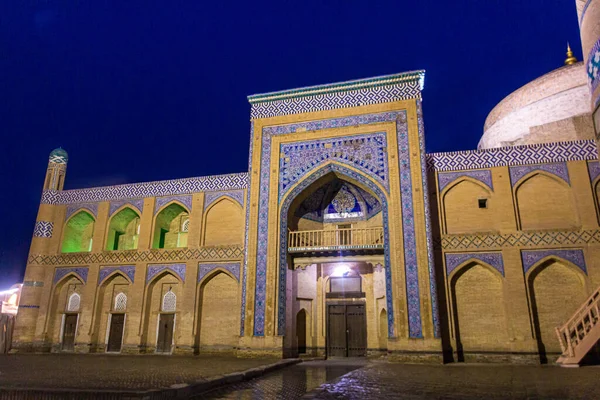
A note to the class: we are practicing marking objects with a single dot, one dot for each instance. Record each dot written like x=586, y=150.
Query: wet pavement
x=289, y=383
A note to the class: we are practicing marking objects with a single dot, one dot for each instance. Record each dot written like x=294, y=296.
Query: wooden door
x=115, y=335
x=301, y=331
x=165, y=333
x=69, y=329
x=356, y=327
x=346, y=331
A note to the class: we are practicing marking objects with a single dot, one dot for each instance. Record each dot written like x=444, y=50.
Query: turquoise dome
x=59, y=156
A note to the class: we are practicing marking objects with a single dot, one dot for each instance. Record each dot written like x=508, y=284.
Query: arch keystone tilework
x=532, y=257
x=60, y=273
x=494, y=260
x=135, y=204
x=162, y=201
x=127, y=270
x=559, y=170
x=155, y=269
x=484, y=176
x=205, y=269
x=212, y=197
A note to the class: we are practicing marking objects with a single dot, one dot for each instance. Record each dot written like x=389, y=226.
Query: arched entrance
x=334, y=232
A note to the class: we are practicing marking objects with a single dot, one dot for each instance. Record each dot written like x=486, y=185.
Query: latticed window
x=120, y=302
x=74, y=302
x=185, y=225
x=169, y=302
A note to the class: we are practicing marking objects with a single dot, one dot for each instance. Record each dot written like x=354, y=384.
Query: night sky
x=157, y=90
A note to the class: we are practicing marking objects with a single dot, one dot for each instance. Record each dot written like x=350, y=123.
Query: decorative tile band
x=520, y=239
x=211, y=197
x=532, y=257
x=265, y=174
x=483, y=175
x=205, y=269
x=245, y=272
x=92, y=208
x=283, y=268
x=148, y=189
x=593, y=66
x=513, y=155
x=28, y=306
x=177, y=269
x=594, y=170
x=585, y=7
x=559, y=170
x=430, y=256
x=60, y=273
x=135, y=204
x=494, y=260
x=161, y=201
x=43, y=229
x=339, y=95
x=128, y=270
x=33, y=283
x=365, y=152
x=155, y=255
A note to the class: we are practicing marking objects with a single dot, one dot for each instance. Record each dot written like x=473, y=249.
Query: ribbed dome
x=59, y=156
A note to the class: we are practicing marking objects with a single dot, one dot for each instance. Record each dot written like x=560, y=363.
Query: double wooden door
x=69, y=329
x=115, y=334
x=346, y=330
x=165, y=333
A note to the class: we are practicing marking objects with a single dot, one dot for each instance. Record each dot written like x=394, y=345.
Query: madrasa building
x=344, y=237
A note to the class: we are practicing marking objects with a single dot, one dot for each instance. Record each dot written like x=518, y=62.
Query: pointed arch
x=212, y=273
x=295, y=195
x=169, y=302
x=168, y=222
x=460, y=209
x=74, y=302
x=123, y=229
x=454, y=271
x=120, y=303
x=78, y=232
x=521, y=180
x=211, y=202
x=223, y=222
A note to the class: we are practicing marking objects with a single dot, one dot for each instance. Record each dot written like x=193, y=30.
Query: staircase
x=579, y=335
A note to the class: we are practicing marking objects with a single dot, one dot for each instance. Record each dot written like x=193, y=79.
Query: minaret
x=57, y=169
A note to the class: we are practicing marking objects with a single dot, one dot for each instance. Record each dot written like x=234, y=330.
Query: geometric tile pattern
x=340, y=95
x=177, y=269
x=492, y=259
x=225, y=253
x=429, y=238
x=520, y=239
x=59, y=273
x=92, y=208
x=135, y=204
x=148, y=189
x=594, y=170
x=532, y=257
x=245, y=271
x=304, y=183
x=233, y=268
x=408, y=230
x=482, y=175
x=559, y=170
x=127, y=270
x=365, y=152
x=513, y=155
x=585, y=7
x=161, y=201
x=43, y=229
x=593, y=67
x=263, y=184
x=211, y=197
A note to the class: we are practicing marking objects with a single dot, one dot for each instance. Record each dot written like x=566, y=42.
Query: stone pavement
x=380, y=380
x=114, y=372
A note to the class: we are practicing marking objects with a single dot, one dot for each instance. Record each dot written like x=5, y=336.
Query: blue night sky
x=157, y=90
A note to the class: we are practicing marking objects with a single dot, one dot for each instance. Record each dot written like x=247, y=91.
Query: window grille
x=74, y=302
x=185, y=225
x=120, y=302
x=169, y=302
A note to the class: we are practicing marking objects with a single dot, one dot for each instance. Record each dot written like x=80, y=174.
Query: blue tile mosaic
x=135, y=204
x=594, y=170
x=81, y=272
x=482, y=175
x=493, y=259
x=557, y=169
x=593, y=66
x=155, y=269
x=205, y=269
x=127, y=270
x=211, y=197
x=162, y=201
x=245, y=271
x=91, y=208
x=43, y=229
x=532, y=257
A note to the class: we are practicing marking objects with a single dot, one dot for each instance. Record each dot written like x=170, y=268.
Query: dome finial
x=571, y=59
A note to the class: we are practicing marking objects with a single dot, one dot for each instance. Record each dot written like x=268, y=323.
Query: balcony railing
x=338, y=239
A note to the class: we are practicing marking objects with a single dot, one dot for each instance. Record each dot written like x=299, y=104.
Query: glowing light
x=341, y=270
x=9, y=291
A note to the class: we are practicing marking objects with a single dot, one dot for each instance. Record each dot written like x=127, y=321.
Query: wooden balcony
x=339, y=239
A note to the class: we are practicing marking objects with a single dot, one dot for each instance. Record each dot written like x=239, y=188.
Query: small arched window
x=185, y=225
x=74, y=302
x=169, y=302
x=120, y=302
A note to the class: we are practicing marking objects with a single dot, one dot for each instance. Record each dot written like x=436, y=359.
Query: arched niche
x=123, y=230
x=78, y=234
x=556, y=289
x=545, y=201
x=106, y=301
x=62, y=292
x=170, y=227
x=477, y=302
x=223, y=223
x=462, y=210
